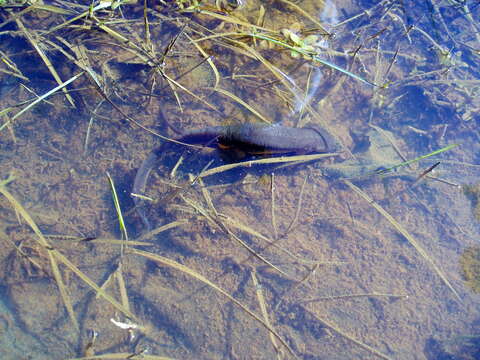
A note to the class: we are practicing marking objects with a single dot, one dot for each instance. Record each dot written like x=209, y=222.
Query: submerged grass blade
x=8, y=180
x=106, y=283
x=36, y=101
x=408, y=162
x=162, y=228
x=89, y=12
x=95, y=287
x=405, y=233
x=208, y=59
x=248, y=230
x=243, y=103
x=31, y=39
x=51, y=252
x=263, y=308
x=122, y=287
x=313, y=55
x=227, y=19
x=274, y=160
x=98, y=87
x=272, y=207
x=123, y=356
x=177, y=84
x=298, y=208
x=55, y=255
x=215, y=220
x=353, y=296
x=306, y=14
x=340, y=332
x=121, y=223
x=117, y=242
x=195, y=275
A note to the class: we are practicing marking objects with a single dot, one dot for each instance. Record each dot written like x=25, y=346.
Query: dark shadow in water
x=41, y=344
x=162, y=320
x=458, y=347
x=300, y=319
x=194, y=162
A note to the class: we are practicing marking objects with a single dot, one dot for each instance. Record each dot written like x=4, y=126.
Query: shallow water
x=340, y=281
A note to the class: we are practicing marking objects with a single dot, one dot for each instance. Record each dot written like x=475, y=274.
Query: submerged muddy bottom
x=369, y=284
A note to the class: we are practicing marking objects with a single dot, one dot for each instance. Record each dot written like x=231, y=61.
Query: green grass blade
x=408, y=162
x=121, y=223
x=313, y=55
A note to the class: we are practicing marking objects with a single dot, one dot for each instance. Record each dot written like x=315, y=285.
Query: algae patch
x=470, y=264
x=473, y=193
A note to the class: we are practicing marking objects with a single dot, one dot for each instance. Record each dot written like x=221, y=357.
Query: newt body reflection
x=249, y=138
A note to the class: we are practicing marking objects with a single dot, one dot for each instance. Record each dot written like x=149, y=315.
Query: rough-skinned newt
x=250, y=138
x=254, y=138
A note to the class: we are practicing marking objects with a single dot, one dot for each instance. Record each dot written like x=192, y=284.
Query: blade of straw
x=203, y=279
x=56, y=255
x=50, y=252
x=405, y=233
x=274, y=160
x=44, y=96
